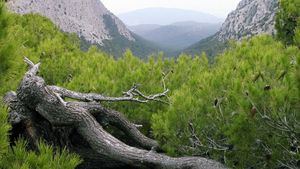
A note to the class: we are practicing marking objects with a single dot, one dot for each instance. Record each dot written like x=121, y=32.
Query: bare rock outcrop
x=251, y=17
x=86, y=18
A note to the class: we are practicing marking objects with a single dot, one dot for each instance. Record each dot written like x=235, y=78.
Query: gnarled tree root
x=38, y=111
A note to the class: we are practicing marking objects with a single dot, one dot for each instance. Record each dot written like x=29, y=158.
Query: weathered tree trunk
x=38, y=111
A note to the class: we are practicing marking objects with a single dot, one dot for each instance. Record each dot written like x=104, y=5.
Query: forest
x=241, y=108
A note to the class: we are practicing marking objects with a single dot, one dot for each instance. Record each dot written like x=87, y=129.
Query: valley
x=109, y=84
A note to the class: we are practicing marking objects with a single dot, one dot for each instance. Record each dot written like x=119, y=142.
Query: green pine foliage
x=211, y=46
x=297, y=34
x=20, y=158
x=298, y=75
x=229, y=103
x=40, y=42
x=4, y=128
x=288, y=22
x=5, y=49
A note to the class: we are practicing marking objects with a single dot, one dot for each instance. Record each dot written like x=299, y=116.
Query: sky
x=219, y=8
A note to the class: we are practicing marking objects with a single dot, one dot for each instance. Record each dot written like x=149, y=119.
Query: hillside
x=176, y=36
x=166, y=16
x=65, y=108
x=90, y=20
x=251, y=17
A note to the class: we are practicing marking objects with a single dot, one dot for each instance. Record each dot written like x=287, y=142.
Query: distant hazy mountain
x=90, y=20
x=178, y=35
x=144, y=28
x=251, y=17
x=166, y=16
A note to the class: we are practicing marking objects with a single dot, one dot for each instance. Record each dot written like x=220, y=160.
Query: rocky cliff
x=89, y=19
x=251, y=17
x=84, y=17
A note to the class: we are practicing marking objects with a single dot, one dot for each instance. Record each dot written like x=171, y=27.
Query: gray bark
x=77, y=125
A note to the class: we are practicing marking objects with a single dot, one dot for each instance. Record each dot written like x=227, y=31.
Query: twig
x=33, y=68
x=132, y=94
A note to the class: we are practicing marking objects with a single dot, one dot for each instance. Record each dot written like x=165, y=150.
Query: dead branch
x=78, y=123
x=118, y=120
x=197, y=143
x=132, y=94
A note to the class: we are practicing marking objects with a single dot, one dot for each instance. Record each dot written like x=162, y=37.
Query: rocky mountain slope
x=89, y=19
x=251, y=17
x=176, y=36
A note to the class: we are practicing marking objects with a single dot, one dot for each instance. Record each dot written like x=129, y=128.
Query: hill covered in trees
x=242, y=110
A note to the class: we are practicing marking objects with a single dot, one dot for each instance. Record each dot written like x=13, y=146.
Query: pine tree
x=4, y=48
x=288, y=21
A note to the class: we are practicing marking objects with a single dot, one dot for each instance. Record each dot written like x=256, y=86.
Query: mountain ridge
x=176, y=36
x=89, y=19
x=250, y=18
x=166, y=16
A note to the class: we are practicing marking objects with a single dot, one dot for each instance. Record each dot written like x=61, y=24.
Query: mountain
x=251, y=17
x=176, y=36
x=144, y=28
x=166, y=16
x=90, y=20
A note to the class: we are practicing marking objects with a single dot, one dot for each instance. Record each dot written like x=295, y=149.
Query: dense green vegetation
x=211, y=46
x=243, y=110
x=234, y=103
x=288, y=22
x=16, y=156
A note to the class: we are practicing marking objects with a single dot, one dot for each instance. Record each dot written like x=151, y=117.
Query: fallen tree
x=38, y=111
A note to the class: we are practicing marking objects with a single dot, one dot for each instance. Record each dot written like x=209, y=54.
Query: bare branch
x=29, y=62
x=196, y=141
x=138, y=125
x=131, y=95
x=33, y=68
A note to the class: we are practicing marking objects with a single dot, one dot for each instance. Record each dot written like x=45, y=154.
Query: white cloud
x=216, y=7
